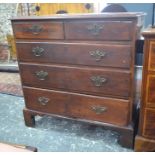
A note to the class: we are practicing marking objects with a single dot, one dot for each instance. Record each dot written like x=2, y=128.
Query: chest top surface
x=129, y=15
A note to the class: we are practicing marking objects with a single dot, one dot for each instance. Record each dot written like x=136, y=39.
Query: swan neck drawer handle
x=35, y=29
x=98, y=81
x=99, y=109
x=97, y=54
x=43, y=100
x=37, y=51
x=41, y=75
x=95, y=29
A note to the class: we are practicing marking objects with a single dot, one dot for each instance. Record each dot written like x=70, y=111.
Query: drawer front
x=150, y=91
x=84, y=106
x=105, y=110
x=38, y=30
x=149, y=123
x=83, y=80
x=152, y=56
x=45, y=101
x=74, y=53
x=99, y=30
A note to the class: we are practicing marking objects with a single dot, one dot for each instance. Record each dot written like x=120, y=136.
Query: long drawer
x=83, y=80
x=38, y=30
x=99, y=30
x=115, y=111
x=110, y=55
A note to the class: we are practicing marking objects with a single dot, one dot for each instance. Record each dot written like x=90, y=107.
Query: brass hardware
x=41, y=75
x=98, y=109
x=35, y=29
x=98, y=55
x=37, y=51
x=95, y=29
x=43, y=100
x=98, y=80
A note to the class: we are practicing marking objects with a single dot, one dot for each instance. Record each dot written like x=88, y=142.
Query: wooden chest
x=80, y=67
x=145, y=140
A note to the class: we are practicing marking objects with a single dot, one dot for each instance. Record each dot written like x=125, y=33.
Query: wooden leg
x=29, y=118
x=144, y=145
x=126, y=138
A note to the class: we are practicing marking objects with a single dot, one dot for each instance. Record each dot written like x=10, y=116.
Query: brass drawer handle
x=95, y=29
x=35, y=29
x=98, y=109
x=97, y=54
x=37, y=51
x=98, y=81
x=41, y=75
x=43, y=100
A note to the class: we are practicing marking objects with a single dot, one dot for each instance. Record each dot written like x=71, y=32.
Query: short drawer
x=149, y=123
x=110, y=55
x=83, y=80
x=86, y=107
x=150, y=91
x=151, y=56
x=99, y=30
x=38, y=30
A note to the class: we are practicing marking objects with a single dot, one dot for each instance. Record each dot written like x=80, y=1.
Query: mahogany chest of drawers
x=145, y=140
x=80, y=67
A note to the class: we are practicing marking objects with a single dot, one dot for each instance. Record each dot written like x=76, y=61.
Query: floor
x=10, y=83
x=50, y=134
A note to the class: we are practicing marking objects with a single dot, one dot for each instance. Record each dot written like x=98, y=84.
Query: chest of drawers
x=80, y=67
x=145, y=140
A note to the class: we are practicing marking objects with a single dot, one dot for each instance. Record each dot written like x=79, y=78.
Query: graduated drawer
x=83, y=80
x=87, y=107
x=150, y=91
x=149, y=123
x=110, y=55
x=99, y=30
x=151, y=63
x=38, y=30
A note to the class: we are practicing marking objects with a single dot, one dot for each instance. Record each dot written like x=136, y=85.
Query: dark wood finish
x=86, y=108
x=116, y=110
x=56, y=103
x=87, y=69
x=145, y=140
x=126, y=137
x=149, y=127
x=38, y=30
x=102, y=16
x=99, y=30
x=144, y=145
x=151, y=49
x=150, y=93
x=29, y=118
x=76, y=53
x=78, y=79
